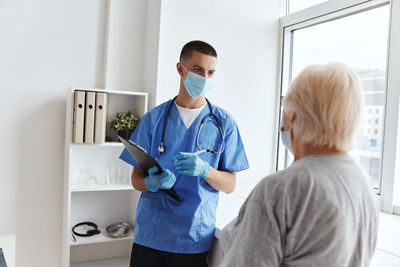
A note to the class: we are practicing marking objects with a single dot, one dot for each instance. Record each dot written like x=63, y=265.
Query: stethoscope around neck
x=161, y=147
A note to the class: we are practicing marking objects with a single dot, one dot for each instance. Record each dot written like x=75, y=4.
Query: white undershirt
x=189, y=115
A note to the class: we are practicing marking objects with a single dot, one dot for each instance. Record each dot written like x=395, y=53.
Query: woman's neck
x=303, y=150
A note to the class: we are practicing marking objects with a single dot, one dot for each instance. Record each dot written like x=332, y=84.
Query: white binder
x=79, y=117
x=89, y=117
x=100, y=118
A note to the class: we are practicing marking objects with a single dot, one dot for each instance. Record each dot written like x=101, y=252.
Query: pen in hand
x=199, y=152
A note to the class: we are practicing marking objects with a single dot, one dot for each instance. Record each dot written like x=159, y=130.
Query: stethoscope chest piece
x=161, y=148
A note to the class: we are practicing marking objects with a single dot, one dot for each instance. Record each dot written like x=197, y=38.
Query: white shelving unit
x=101, y=238
x=107, y=144
x=100, y=202
x=115, y=262
x=101, y=187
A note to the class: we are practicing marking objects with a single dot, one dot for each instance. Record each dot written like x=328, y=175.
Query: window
x=348, y=40
x=396, y=193
x=297, y=5
x=356, y=33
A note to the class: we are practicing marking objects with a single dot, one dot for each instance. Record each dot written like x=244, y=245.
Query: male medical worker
x=200, y=150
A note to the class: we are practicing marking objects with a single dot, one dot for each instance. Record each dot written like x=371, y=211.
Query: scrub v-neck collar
x=179, y=120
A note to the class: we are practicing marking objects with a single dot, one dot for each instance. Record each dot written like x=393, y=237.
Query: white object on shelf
x=78, y=117
x=118, y=172
x=90, y=105
x=114, y=262
x=100, y=238
x=100, y=123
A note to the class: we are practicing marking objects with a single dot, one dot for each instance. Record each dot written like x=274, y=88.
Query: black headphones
x=90, y=232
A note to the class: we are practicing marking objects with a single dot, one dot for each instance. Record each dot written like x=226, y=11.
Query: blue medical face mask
x=197, y=85
x=286, y=137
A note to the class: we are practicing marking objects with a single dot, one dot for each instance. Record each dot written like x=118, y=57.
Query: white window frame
x=332, y=10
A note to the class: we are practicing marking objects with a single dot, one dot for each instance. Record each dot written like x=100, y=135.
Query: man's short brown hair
x=199, y=46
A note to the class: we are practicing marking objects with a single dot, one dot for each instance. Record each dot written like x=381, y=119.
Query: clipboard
x=146, y=162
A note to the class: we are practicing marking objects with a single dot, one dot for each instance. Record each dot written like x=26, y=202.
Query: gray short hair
x=327, y=101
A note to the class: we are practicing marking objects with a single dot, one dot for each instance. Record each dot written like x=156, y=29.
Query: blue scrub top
x=188, y=226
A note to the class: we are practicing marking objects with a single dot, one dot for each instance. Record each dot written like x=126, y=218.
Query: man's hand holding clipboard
x=146, y=162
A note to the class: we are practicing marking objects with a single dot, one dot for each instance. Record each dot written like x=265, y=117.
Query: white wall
x=151, y=49
x=245, y=35
x=125, y=45
x=47, y=46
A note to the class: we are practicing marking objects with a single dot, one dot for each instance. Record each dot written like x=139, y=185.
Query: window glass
x=396, y=193
x=360, y=41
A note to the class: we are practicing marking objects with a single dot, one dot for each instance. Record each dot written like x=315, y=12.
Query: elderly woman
x=320, y=211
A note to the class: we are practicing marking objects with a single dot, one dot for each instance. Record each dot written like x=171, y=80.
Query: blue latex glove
x=190, y=164
x=164, y=180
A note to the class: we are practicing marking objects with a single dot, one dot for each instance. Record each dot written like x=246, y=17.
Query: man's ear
x=179, y=69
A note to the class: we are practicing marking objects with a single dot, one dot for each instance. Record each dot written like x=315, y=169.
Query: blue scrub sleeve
x=140, y=136
x=234, y=158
